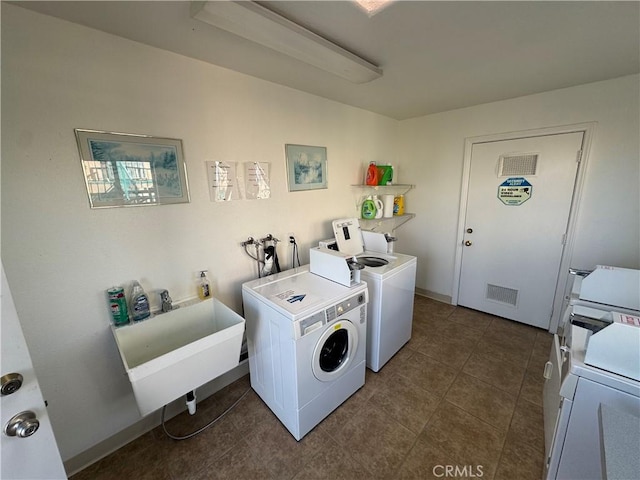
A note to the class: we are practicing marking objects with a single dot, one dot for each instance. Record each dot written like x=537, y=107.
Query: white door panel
x=35, y=456
x=513, y=239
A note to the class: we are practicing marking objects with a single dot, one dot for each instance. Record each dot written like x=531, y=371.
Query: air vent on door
x=518, y=165
x=505, y=295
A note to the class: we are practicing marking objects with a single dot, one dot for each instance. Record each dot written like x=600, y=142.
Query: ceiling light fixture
x=261, y=25
x=373, y=6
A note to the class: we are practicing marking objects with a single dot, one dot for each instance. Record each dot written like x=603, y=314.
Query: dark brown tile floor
x=463, y=399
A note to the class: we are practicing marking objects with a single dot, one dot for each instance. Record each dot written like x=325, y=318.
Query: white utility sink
x=173, y=353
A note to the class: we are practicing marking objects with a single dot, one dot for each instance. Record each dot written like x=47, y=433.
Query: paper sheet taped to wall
x=257, y=182
x=223, y=181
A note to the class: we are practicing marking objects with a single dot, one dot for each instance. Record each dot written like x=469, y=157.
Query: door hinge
x=579, y=156
x=564, y=239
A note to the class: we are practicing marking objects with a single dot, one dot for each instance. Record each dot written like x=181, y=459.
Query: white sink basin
x=173, y=353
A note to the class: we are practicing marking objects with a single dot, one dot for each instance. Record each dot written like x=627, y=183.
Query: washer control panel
x=348, y=305
x=316, y=321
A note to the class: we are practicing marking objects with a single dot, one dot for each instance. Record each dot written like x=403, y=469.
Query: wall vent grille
x=508, y=296
x=518, y=165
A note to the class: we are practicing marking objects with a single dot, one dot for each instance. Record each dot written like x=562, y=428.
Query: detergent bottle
x=398, y=205
x=369, y=209
x=372, y=174
x=379, y=206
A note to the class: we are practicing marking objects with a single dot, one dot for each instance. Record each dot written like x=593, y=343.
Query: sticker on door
x=515, y=191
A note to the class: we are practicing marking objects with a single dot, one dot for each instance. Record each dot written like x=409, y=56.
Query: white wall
x=60, y=255
x=608, y=223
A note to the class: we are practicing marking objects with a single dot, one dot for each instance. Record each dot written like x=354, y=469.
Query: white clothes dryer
x=306, y=338
x=391, y=279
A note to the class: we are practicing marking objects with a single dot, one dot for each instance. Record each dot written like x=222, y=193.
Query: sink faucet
x=166, y=301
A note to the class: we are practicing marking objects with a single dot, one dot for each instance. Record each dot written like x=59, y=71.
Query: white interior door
x=35, y=456
x=519, y=200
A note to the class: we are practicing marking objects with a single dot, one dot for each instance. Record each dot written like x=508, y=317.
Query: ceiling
x=435, y=55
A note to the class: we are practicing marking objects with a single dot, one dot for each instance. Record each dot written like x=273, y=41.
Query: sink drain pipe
x=191, y=402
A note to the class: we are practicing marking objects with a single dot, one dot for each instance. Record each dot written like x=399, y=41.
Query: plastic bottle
x=369, y=208
x=118, y=306
x=372, y=174
x=398, y=205
x=385, y=175
x=204, y=287
x=139, y=303
x=379, y=206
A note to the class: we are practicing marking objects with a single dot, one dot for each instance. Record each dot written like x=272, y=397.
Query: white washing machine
x=307, y=338
x=391, y=279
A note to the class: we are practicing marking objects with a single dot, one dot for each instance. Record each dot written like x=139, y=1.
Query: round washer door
x=335, y=350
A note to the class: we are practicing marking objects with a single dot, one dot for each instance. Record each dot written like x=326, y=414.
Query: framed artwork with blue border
x=306, y=167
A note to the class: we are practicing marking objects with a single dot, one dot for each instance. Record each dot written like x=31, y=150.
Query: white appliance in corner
x=593, y=367
x=391, y=279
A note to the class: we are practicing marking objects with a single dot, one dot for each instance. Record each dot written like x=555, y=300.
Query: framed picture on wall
x=126, y=170
x=306, y=167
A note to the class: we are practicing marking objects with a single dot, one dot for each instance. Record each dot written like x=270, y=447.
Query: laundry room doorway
x=519, y=196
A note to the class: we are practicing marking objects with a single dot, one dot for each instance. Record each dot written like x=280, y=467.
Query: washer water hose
x=294, y=254
x=269, y=263
x=256, y=257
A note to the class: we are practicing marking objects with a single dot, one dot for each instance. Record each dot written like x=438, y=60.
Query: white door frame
x=562, y=286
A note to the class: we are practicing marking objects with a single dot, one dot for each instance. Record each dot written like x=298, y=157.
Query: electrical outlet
x=291, y=237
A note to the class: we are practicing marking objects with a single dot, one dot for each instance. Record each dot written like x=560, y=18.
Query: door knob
x=467, y=243
x=22, y=425
x=10, y=383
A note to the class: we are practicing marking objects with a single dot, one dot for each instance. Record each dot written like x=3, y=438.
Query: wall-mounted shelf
x=394, y=189
x=385, y=224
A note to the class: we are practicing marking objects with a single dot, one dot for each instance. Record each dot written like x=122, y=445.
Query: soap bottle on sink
x=204, y=286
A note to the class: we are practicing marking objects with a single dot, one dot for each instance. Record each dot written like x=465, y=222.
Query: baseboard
x=148, y=423
x=434, y=296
